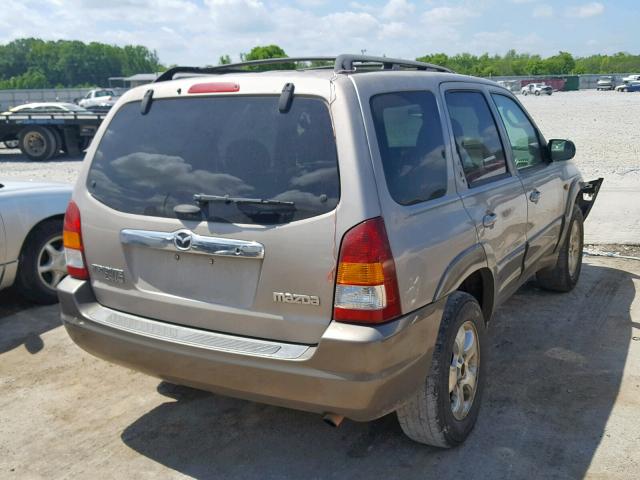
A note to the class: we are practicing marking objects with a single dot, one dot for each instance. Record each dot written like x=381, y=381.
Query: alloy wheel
x=464, y=370
x=51, y=262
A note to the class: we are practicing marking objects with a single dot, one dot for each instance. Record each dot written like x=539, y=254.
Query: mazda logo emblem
x=182, y=240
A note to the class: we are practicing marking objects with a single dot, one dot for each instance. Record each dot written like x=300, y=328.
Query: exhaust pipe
x=332, y=419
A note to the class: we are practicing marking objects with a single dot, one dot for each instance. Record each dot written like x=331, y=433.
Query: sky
x=197, y=32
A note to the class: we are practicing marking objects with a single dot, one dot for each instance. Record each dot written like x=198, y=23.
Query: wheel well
x=35, y=227
x=480, y=285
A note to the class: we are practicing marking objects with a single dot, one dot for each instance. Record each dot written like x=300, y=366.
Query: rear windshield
x=242, y=146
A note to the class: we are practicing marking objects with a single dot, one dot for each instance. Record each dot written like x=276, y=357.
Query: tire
x=537, y=93
x=37, y=143
x=59, y=142
x=564, y=275
x=525, y=93
x=428, y=415
x=33, y=284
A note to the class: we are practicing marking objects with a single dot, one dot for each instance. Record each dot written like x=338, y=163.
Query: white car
x=536, y=89
x=31, y=252
x=46, y=107
x=102, y=98
x=631, y=78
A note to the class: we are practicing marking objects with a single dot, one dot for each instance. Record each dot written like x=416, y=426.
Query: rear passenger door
x=540, y=177
x=426, y=223
x=492, y=195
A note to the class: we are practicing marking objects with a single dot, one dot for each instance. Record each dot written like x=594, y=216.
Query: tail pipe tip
x=333, y=419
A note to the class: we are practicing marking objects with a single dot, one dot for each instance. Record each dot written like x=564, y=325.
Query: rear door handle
x=534, y=196
x=489, y=220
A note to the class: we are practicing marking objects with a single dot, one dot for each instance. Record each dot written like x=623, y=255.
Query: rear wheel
x=444, y=410
x=59, y=142
x=42, y=263
x=537, y=93
x=37, y=143
x=564, y=275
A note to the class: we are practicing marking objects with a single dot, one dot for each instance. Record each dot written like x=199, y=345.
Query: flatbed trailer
x=41, y=136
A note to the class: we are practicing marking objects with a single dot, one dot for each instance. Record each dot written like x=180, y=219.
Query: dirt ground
x=562, y=402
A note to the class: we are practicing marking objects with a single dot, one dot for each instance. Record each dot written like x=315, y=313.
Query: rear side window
x=411, y=145
x=238, y=146
x=476, y=135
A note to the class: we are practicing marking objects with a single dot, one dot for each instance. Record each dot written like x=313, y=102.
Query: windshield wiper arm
x=203, y=198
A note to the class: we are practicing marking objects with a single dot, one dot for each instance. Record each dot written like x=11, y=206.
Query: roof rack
x=342, y=64
x=345, y=63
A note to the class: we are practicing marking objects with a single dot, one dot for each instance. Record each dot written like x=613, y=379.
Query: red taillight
x=366, y=283
x=72, y=240
x=214, y=87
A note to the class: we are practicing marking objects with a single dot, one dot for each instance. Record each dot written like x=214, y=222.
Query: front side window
x=411, y=145
x=476, y=135
x=240, y=146
x=522, y=134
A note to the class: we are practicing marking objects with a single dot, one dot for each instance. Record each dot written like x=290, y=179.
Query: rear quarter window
x=241, y=146
x=411, y=144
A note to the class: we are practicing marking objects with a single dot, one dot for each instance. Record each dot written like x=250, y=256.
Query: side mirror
x=561, y=150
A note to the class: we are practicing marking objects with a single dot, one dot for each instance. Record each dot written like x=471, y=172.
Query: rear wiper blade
x=203, y=198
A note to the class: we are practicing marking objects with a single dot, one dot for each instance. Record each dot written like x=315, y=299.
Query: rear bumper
x=360, y=372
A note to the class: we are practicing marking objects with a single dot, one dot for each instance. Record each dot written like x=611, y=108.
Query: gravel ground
x=15, y=166
x=562, y=402
x=605, y=127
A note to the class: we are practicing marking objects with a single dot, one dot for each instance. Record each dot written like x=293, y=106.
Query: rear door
x=492, y=195
x=541, y=178
x=234, y=264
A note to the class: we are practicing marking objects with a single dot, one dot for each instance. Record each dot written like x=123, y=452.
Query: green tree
x=563, y=63
x=31, y=61
x=224, y=60
x=266, y=52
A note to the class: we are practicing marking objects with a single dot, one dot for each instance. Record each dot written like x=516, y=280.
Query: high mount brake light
x=366, y=283
x=72, y=241
x=214, y=87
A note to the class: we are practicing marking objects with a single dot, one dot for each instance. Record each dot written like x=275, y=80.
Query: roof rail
x=345, y=63
x=342, y=64
x=238, y=67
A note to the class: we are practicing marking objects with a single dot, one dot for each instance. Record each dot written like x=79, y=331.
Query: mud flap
x=587, y=196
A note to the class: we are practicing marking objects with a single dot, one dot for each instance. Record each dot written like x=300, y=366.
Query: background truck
x=42, y=136
x=99, y=99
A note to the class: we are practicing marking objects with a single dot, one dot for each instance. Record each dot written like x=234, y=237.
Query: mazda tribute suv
x=331, y=239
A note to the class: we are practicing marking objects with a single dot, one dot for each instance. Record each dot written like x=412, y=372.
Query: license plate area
x=212, y=279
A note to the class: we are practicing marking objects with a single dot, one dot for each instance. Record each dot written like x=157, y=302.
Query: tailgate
x=258, y=260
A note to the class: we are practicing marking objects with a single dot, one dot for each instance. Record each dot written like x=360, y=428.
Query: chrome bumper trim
x=194, y=337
